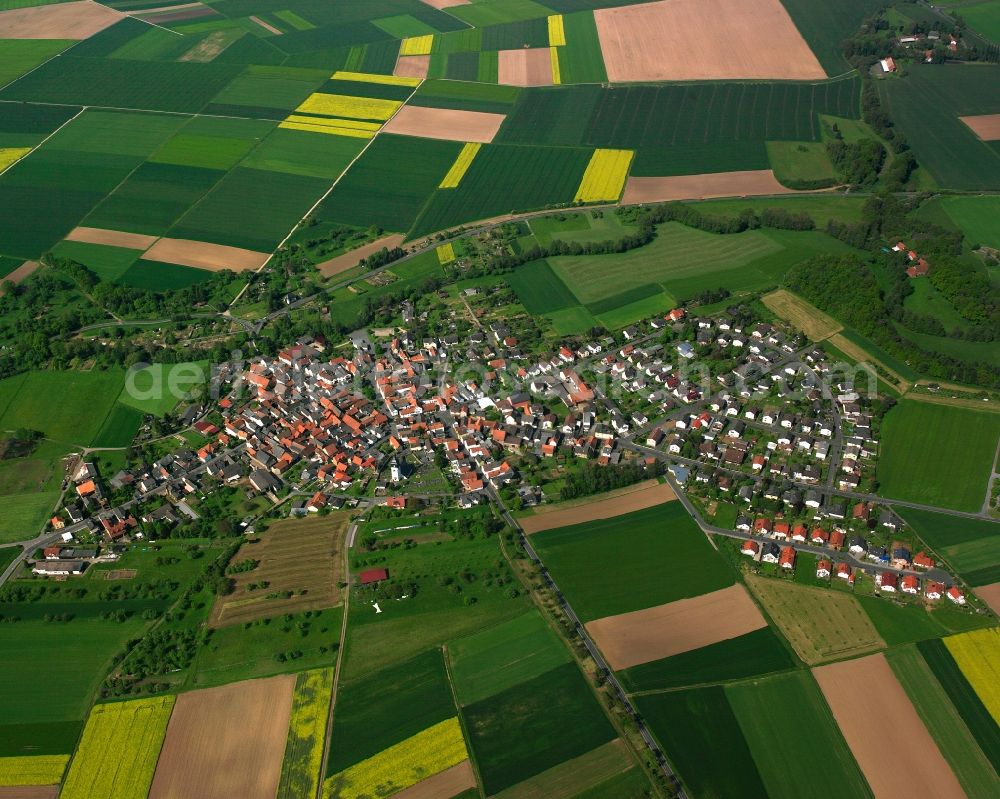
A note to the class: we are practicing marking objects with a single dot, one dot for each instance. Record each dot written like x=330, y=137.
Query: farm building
x=58, y=568
x=372, y=576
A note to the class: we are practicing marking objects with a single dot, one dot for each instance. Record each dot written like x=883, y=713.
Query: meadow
x=703, y=741
x=984, y=18
x=945, y=724
x=18, y=56
x=976, y=217
x=790, y=708
x=926, y=104
x=157, y=389
x=937, y=455
x=489, y=662
x=662, y=540
x=534, y=725
x=905, y=623
x=758, y=652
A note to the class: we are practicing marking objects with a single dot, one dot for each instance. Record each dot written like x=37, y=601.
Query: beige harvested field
x=891, y=744
x=29, y=791
x=572, y=777
x=209, y=48
x=526, y=67
x=704, y=40
x=350, y=259
x=747, y=183
x=985, y=126
x=66, y=21
x=203, y=255
x=444, y=784
x=266, y=25
x=802, y=315
x=112, y=238
x=301, y=556
x=412, y=66
x=641, y=636
x=226, y=742
x=820, y=624
x=439, y=4
x=861, y=355
x=990, y=594
x=22, y=272
x=602, y=506
x=445, y=123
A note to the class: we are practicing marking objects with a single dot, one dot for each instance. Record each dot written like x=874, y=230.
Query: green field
x=581, y=60
x=963, y=696
x=387, y=707
x=600, y=565
x=976, y=217
x=120, y=426
x=759, y=652
x=973, y=770
x=158, y=388
x=984, y=18
x=108, y=263
x=301, y=153
x=466, y=96
x=494, y=660
x=798, y=162
x=703, y=740
x=926, y=105
x=540, y=289
x=18, y=56
x=971, y=546
x=534, y=725
x=903, y=624
x=158, y=276
x=790, y=708
x=824, y=26
x=937, y=455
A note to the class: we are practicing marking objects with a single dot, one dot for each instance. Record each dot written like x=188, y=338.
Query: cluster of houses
x=918, y=266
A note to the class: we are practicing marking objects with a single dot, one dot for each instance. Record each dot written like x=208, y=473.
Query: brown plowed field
x=66, y=21
x=990, y=594
x=704, y=40
x=442, y=785
x=528, y=67
x=890, y=742
x=203, y=255
x=985, y=126
x=603, y=506
x=226, y=742
x=412, y=66
x=22, y=272
x=266, y=26
x=112, y=238
x=702, y=187
x=655, y=633
x=29, y=791
x=445, y=123
x=303, y=556
x=350, y=259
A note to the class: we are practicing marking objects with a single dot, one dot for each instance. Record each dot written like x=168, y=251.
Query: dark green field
x=825, y=25
x=466, y=96
x=108, y=263
x=158, y=276
x=702, y=739
x=925, y=105
x=388, y=706
x=902, y=624
x=120, y=427
x=580, y=59
x=539, y=289
x=533, y=726
x=759, y=652
x=602, y=566
x=970, y=545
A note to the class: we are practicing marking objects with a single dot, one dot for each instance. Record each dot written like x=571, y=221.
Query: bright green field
x=794, y=161
x=302, y=153
x=120, y=427
x=984, y=18
x=157, y=389
x=904, y=624
x=937, y=455
x=489, y=662
x=976, y=216
x=822, y=208
x=790, y=709
x=602, y=566
x=971, y=546
x=18, y=56
x=24, y=515
x=108, y=263
x=944, y=723
x=580, y=59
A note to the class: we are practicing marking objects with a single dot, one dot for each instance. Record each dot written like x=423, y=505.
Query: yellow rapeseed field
x=342, y=105
x=8, y=155
x=446, y=253
x=554, y=58
x=331, y=130
x=557, y=33
x=978, y=656
x=32, y=769
x=338, y=127
x=425, y=754
x=605, y=176
x=306, y=735
x=116, y=733
x=417, y=45
x=460, y=167
x=370, y=77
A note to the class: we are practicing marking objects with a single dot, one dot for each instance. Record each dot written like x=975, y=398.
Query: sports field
x=938, y=455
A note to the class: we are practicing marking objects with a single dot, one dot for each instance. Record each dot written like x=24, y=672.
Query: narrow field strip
x=606, y=173
x=342, y=105
x=306, y=735
x=454, y=176
x=557, y=31
x=369, y=77
x=554, y=58
x=335, y=130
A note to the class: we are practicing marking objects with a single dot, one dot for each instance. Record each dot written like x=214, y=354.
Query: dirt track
x=638, y=497
x=702, y=187
x=113, y=238
x=890, y=742
x=654, y=633
x=350, y=259
x=528, y=67
x=226, y=742
x=445, y=123
x=704, y=40
x=203, y=255
x=985, y=126
x=66, y=21
x=412, y=66
x=449, y=782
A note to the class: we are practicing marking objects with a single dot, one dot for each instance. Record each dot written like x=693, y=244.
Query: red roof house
x=372, y=576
